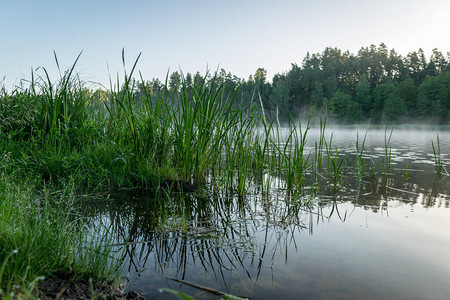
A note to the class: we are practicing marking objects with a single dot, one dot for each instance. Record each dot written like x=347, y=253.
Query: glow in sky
x=236, y=35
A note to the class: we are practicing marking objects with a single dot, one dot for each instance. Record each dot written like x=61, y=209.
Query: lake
x=384, y=236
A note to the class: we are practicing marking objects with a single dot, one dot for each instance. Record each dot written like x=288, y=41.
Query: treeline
x=376, y=84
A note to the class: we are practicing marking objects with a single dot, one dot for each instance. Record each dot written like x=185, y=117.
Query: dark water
x=385, y=237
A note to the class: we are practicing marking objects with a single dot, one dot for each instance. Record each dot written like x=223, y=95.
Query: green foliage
x=39, y=238
x=344, y=108
x=18, y=115
x=63, y=103
x=369, y=78
x=280, y=97
x=433, y=99
x=407, y=90
x=317, y=95
x=174, y=82
x=200, y=124
x=394, y=110
x=379, y=95
x=362, y=95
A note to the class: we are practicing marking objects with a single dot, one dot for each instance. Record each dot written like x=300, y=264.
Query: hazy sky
x=236, y=35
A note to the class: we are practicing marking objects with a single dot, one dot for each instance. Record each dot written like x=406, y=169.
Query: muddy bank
x=64, y=289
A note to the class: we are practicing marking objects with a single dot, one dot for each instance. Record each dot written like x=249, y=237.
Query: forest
x=376, y=85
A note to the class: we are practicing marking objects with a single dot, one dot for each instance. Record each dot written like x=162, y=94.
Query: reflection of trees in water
x=433, y=192
x=375, y=189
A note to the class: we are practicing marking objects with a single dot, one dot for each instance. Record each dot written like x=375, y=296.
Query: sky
x=195, y=35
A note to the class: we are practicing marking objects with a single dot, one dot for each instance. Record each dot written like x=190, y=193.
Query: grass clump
x=39, y=239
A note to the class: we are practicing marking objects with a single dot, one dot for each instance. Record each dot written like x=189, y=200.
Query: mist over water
x=381, y=237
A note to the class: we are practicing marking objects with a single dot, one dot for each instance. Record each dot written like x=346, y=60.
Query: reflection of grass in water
x=232, y=245
x=223, y=236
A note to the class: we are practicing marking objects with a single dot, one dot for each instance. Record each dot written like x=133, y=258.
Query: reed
x=291, y=159
x=438, y=161
x=360, y=165
x=335, y=164
x=318, y=148
x=261, y=150
x=61, y=106
x=202, y=119
x=386, y=160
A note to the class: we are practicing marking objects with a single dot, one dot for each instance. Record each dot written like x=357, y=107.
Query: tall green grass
x=40, y=238
x=185, y=133
x=202, y=119
x=386, y=160
x=335, y=164
x=360, y=164
x=438, y=161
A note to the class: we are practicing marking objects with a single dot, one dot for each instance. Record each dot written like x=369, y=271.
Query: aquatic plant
x=318, y=148
x=291, y=159
x=360, y=166
x=387, y=151
x=407, y=177
x=438, y=161
x=335, y=167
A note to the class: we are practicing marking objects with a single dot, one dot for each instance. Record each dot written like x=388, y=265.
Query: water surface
x=382, y=237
